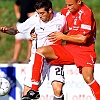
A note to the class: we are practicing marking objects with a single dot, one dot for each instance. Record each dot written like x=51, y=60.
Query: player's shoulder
x=35, y=16
x=58, y=14
x=86, y=9
x=59, y=18
x=64, y=10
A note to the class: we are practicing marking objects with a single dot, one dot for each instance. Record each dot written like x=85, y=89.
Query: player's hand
x=32, y=34
x=10, y=31
x=56, y=36
x=3, y=29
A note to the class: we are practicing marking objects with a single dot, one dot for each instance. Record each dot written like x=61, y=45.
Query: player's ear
x=50, y=10
x=79, y=2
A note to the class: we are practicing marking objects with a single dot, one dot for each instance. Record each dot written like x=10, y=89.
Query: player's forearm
x=72, y=38
x=10, y=31
x=75, y=38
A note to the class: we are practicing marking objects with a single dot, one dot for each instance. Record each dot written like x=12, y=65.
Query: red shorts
x=64, y=57
x=67, y=55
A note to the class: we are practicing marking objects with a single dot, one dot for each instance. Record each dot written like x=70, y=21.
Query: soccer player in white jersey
x=44, y=22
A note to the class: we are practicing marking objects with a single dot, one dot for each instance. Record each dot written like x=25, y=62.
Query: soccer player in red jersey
x=79, y=48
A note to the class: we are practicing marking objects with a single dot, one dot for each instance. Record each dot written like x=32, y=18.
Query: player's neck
x=51, y=16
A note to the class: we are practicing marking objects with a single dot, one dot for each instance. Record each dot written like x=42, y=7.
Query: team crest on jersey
x=59, y=26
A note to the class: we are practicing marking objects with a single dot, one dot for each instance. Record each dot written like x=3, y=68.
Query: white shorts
x=54, y=73
x=22, y=35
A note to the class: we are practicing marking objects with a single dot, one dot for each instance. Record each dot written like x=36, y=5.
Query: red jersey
x=82, y=22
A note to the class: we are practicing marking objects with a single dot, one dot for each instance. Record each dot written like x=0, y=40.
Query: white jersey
x=43, y=29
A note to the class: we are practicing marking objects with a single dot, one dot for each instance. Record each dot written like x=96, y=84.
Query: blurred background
x=7, y=18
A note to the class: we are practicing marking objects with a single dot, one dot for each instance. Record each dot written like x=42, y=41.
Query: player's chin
x=72, y=10
x=44, y=20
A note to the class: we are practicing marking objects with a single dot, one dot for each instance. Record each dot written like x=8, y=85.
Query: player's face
x=44, y=15
x=73, y=5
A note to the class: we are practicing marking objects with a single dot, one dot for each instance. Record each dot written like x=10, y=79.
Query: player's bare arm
x=79, y=38
x=16, y=10
x=10, y=31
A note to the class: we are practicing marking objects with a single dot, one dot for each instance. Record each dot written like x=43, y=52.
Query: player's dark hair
x=46, y=4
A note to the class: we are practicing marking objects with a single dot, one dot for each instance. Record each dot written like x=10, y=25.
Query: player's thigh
x=47, y=51
x=64, y=57
x=85, y=60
